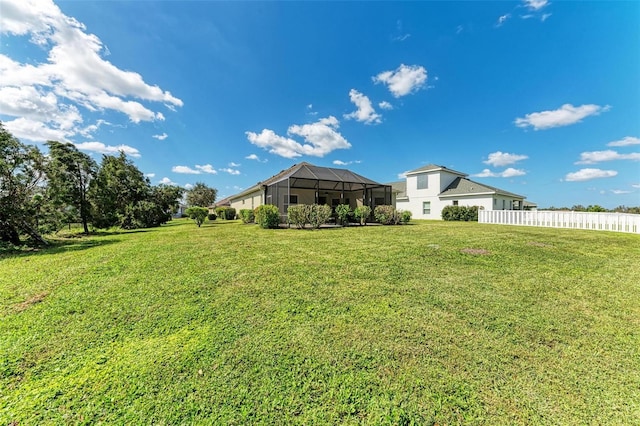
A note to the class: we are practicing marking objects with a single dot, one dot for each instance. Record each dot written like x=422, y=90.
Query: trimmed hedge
x=343, y=211
x=312, y=214
x=247, y=215
x=362, y=213
x=460, y=213
x=267, y=216
x=224, y=212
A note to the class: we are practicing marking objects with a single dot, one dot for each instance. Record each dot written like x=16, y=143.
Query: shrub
x=384, y=214
x=362, y=213
x=227, y=213
x=247, y=215
x=460, y=213
x=299, y=215
x=405, y=216
x=267, y=216
x=143, y=214
x=319, y=215
x=211, y=216
x=198, y=214
x=343, y=211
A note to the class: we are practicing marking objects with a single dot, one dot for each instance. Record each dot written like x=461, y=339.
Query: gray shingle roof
x=464, y=186
x=435, y=167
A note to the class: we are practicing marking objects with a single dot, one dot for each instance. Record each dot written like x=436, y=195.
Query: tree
x=117, y=186
x=199, y=214
x=21, y=176
x=201, y=195
x=69, y=174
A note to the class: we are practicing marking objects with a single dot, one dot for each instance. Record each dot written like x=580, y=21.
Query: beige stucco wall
x=248, y=201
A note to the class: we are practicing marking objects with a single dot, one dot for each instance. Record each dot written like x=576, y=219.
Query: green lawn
x=232, y=324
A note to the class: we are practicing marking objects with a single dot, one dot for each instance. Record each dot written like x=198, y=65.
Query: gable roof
x=435, y=168
x=400, y=188
x=464, y=186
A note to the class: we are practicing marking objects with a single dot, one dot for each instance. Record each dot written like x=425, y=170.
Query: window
x=426, y=207
x=378, y=201
x=455, y=202
x=504, y=204
x=423, y=182
x=293, y=199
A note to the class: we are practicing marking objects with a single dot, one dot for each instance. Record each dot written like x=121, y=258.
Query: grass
x=429, y=323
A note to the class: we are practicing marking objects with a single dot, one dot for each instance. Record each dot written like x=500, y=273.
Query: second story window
x=423, y=182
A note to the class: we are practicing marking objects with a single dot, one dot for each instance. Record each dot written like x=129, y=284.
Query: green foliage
x=299, y=215
x=267, y=216
x=201, y=195
x=117, y=185
x=343, y=211
x=319, y=214
x=405, y=216
x=212, y=216
x=362, y=213
x=247, y=215
x=22, y=172
x=596, y=208
x=198, y=214
x=226, y=212
x=384, y=214
x=460, y=213
x=143, y=214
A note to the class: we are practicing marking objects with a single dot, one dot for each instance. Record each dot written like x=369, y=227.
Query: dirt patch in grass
x=537, y=244
x=29, y=302
x=475, y=252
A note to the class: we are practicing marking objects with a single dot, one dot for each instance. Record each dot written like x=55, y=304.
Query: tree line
x=597, y=208
x=41, y=193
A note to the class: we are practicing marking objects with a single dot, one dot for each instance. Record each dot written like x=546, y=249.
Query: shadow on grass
x=58, y=246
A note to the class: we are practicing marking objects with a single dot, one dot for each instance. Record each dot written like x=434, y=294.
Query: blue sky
x=535, y=97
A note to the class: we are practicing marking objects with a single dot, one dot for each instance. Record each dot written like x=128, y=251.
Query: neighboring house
x=305, y=183
x=427, y=190
x=180, y=211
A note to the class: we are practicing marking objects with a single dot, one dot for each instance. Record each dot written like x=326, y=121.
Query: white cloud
x=101, y=148
x=635, y=185
x=150, y=175
x=232, y=164
x=185, y=170
x=545, y=16
x=231, y=171
x=566, y=115
x=36, y=131
x=345, y=163
x=608, y=155
x=255, y=158
x=160, y=137
x=500, y=159
x=502, y=19
x=588, y=174
x=403, y=175
x=207, y=168
x=385, y=105
x=620, y=191
x=365, y=112
x=74, y=74
x=626, y=141
x=507, y=173
x=321, y=138
x=535, y=4
x=188, y=186
x=404, y=80
x=166, y=181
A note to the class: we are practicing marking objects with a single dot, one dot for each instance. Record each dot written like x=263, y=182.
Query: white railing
x=618, y=222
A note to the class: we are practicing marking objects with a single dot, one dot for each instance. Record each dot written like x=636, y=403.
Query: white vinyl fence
x=618, y=222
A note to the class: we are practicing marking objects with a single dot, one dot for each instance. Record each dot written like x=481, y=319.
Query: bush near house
x=312, y=214
x=460, y=213
x=198, y=214
x=227, y=213
x=362, y=213
x=343, y=211
x=212, y=216
x=247, y=215
x=405, y=216
x=267, y=216
x=319, y=214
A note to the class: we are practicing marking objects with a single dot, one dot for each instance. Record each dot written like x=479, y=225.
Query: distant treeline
x=596, y=208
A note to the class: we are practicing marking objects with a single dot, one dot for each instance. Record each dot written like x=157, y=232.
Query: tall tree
x=21, y=174
x=117, y=186
x=201, y=195
x=69, y=174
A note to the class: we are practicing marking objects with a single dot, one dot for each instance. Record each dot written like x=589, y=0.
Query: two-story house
x=427, y=190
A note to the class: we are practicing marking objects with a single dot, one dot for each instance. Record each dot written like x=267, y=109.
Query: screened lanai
x=305, y=183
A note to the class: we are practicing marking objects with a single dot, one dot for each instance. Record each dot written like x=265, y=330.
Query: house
x=305, y=183
x=427, y=190
x=222, y=203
